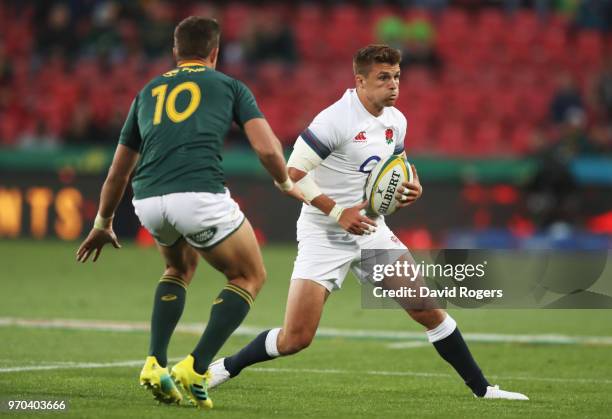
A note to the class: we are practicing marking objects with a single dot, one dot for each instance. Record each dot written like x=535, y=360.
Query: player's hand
x=408, y=193
x=95, y=241
x=354, y=222
x=294, y=192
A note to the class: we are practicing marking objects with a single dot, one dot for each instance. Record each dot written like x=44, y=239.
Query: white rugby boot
x=218, y=373
x=494, y=392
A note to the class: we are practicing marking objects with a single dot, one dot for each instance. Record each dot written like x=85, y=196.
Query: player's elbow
x=267, y=153
x=295, y=174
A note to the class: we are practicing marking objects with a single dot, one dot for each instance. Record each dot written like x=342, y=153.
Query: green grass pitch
x=337, y=376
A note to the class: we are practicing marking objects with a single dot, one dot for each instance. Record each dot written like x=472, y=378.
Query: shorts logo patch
x=204, y=235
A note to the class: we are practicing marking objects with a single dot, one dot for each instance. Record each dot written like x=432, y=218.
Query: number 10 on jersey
x=173, y=114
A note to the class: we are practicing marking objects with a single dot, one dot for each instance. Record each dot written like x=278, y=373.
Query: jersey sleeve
x=323, y=134
x=399, y=141
x=245, y=106
x=130, y=133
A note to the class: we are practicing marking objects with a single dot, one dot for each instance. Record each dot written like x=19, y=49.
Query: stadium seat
x=451, y=139
x=488, y=137
x=480, y=102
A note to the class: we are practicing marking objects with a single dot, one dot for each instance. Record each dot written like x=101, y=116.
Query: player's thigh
x=305, y=303
x=381, y=247
x=181, y=259
x=324, y=255
x=388, y=249
x=425, y=310
x=239, y=258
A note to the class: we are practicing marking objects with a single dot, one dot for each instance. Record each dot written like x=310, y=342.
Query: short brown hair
x=374, y=53
x=195, y=37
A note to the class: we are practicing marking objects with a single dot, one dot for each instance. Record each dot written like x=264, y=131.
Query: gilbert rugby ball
x=382, y=184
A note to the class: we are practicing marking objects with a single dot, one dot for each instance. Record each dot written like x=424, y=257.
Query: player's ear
x=174, y=53
x=214, y=54
x=359, y=80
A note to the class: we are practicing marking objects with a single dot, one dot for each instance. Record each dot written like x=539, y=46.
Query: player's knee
x=184, y=272
x=188, y=274
x=191, y=260
x=428, y=318
x=291, y=343
x=257, y=279
x=261, y=277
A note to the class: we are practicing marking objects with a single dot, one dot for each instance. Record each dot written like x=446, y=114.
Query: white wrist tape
x=285, y=186
x=101, y=223
x=308, y=187
x=336, y=212
x=303, y=157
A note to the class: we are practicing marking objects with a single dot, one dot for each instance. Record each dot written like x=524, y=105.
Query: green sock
x=228, y=311
x=167, y=309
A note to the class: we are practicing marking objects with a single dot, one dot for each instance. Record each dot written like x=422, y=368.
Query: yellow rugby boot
x=157, y=379
x=195, y=385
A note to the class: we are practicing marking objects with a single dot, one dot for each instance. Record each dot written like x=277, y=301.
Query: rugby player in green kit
x=173, y=137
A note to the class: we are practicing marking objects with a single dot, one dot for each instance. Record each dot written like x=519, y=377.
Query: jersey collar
x=191, y=63
x=382, y=118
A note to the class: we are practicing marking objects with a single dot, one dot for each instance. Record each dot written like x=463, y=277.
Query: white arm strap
x=305, y=159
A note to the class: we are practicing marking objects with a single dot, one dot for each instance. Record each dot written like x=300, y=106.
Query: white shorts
x=326, y=252
x=204, y=219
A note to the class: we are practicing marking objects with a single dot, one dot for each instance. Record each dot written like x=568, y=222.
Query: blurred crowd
x=480, y=78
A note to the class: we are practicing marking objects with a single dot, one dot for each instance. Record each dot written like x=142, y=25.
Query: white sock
x=443, y=330
x=271, y=339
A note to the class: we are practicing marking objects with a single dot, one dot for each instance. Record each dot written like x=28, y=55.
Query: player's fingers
x=406, y=186
x=97, y=254
x=367, y=229
x=85, y=255
x=296, y=193
x=356, y=230
x=115, y=243
x=414, y=172
x=367, y=220
x=405, y=198
x=406, y=191
x=79, y=253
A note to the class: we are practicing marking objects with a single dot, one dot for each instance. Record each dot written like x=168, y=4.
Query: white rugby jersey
x=351, y=140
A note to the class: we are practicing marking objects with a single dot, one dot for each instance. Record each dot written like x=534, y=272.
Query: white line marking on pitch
x=408, y=345
x=197, y=328
x=93, y=365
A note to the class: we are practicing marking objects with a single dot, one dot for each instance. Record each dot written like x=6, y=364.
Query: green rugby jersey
x=178, y=123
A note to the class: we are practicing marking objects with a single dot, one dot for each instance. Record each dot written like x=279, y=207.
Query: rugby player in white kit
x=330, y=162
